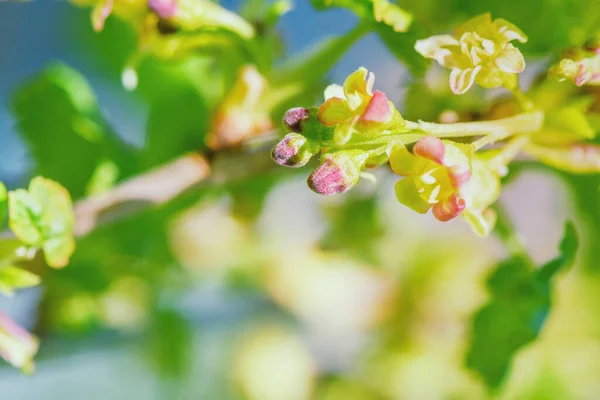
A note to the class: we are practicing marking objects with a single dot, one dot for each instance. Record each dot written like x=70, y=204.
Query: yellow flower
x=479, y=51
x=356, y=108
x=437, y=174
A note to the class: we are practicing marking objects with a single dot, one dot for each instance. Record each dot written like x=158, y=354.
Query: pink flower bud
x=338, y=173
x=294, y=150
x=17, y=346
x=293, y=119
x=164, y=8
x=449, y=208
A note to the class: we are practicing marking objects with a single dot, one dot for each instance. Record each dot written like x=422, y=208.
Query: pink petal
x=582, y=76
x=431, y=148
x=164, y=8
x=459, y=176
x=378, y=109
x=448, y=209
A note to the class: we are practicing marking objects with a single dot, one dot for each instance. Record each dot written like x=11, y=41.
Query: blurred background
x=260, y=289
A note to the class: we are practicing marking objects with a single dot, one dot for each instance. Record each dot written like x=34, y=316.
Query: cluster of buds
x=480, y=50
x=341, y=127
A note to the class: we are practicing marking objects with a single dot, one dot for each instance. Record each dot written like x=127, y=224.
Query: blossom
x=582, y=70
x=479, y=51
x=437, y=174
x=354, y=107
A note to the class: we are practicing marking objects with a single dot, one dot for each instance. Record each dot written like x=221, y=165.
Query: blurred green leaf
x=177, y=124
x=516, y=312
x=42, y=216
x=170, y=344
x=355, y=225
x=402, y=46
x=57, y=115
x=12, y=278
x=3, y=203
x=380, y=11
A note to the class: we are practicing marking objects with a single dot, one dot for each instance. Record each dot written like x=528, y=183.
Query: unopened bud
x=294, y=150
x=164, y=8
x=338, y=173
x=17, y=346
x=293, y=119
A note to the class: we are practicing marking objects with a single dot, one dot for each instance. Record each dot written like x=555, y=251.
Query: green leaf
x=3, y=203
x=59, y=119
x=177, y=123
x=170, y=344
x=518, y=307
x=43, y=217
x=567, y=252
x=12, y=278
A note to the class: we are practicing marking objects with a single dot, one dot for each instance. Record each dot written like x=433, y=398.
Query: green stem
x=524, y=101
x=521, y=123
x=509, y=152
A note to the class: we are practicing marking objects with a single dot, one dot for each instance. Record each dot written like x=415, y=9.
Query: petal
x=438, y=48
x=408, y=194
x=481, y=23
x=431, y=148
x=378, y=109
x=459, y=176
x=164, y=8
x=402, y=161
x=334, y=111
x=356, y=83
x=510, y=60
x=449, y=208
x=334, y=90
x=462, y=80
x=481, y=222
x=582, y=75
x=509, y=31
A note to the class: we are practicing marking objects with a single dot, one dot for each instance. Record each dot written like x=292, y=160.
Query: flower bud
x=338, y=173
x=17, y=346
x=294, y=150
x=293, y=119
x=164, y=8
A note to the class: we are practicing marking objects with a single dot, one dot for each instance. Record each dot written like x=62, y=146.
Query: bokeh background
x=277, y=293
